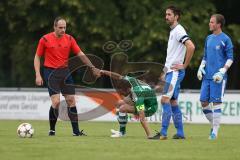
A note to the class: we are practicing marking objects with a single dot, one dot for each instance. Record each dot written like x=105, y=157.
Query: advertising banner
x=100, y=106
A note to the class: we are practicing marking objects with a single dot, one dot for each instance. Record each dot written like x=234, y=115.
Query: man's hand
x=102, y=72
x=177, y=67
x=163, y=74
x=218, y=77
x=39, y=80
x=111, y=74
x=96, y=72
x=201, y=71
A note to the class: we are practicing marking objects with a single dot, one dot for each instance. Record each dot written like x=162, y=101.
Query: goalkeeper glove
x=218, y=77
x=201, y=71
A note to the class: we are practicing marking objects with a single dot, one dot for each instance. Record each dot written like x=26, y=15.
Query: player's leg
x=166, y=115
x=53, y=113
x=177, y=120
x=73, y=114
x=149, y=110
x=172, y=79
x=176, y=111
x=122, y=118
x=207, y=110
x=216, y=120
x=68, y=92
x=205, y=99
x=217, y=92
x=122, y=108
x=53, y=85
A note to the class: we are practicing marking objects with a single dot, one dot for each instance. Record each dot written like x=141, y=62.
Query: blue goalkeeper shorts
x=212, y=91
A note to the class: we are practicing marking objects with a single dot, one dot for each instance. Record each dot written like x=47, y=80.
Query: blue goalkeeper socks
x=166, y=116
x=177, y=120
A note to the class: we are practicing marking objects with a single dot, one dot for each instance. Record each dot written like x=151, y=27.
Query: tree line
x=95, y=22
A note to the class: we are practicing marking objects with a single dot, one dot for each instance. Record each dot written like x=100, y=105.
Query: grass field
x=98, y=145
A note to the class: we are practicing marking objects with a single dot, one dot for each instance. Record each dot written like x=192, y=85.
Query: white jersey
x=176, y=49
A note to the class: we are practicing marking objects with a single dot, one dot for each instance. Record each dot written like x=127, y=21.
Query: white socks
x=208, y=113
x=213, y=114
x=217, y=112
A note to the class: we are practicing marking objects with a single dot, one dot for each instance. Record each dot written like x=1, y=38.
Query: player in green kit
x=138, y=98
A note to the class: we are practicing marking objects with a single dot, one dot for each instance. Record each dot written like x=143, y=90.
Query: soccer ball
x=25, y=130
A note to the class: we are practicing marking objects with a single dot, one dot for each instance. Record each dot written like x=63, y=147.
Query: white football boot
x=116, y=134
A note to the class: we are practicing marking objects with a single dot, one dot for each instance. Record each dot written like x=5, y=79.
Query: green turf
x=99, y=146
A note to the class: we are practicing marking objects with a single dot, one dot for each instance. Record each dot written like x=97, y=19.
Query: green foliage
x=93, y=23
x=234, y=31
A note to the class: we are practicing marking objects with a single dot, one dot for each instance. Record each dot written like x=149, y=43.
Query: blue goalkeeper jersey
x=218, y=49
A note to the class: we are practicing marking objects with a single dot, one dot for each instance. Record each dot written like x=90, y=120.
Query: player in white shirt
x=179, y=53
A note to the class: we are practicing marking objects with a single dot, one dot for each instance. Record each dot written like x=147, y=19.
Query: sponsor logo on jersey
x=218, y=47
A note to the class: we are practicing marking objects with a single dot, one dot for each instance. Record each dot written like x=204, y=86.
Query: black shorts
x=58, y=81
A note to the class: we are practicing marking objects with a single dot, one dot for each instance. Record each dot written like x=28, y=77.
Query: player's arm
x=85, y=59
x=88, y=63
x=37, y=62
x=182, y=37
x=229, y=53
x=201, y=69
x=77, y=51
x=228, y=64
x=140, y=107
x=218, y=77
x=111, y=74
x=144, y=123
x=189, y=53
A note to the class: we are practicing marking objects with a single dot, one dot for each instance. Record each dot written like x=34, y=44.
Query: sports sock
x=122, y=120
x=53, y=115
x=73, y=116
x=177, y=120
x=208, y=113
x=166, y=116
x=217, y=112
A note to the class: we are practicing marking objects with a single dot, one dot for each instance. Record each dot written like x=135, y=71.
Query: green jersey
x=143, y=96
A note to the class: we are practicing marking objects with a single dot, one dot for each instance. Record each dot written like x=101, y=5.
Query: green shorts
x=149, y=110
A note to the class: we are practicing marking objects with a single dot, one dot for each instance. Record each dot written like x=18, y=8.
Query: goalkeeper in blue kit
x=139, y=99
x=218, y=57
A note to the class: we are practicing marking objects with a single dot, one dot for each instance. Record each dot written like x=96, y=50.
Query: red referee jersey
x=56, y=50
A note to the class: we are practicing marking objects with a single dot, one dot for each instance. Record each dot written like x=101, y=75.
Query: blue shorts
x=212, y=91
x=172, y=84
x=58, y=81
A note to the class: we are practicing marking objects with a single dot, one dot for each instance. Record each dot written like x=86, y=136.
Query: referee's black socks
x=73, y=116
x=53, y=116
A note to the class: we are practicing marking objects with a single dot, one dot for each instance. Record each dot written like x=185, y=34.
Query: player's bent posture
x=139, y=99
x=179, y=44
x=218, y=57
x=56, y=47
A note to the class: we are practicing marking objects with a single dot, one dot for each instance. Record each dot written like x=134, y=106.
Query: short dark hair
x=176, y=11
x=122, y=84
x=58, y=19
x=219, y=19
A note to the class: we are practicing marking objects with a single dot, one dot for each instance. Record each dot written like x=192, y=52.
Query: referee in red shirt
x=56, y=47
